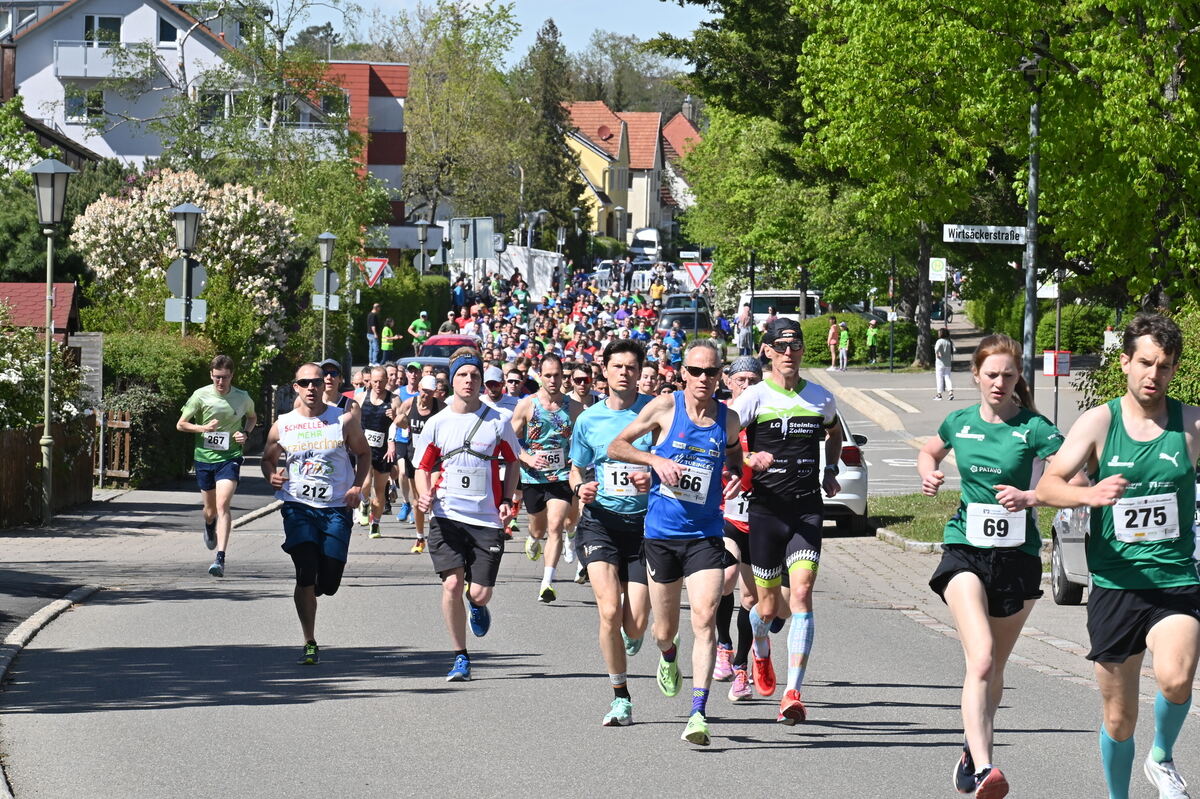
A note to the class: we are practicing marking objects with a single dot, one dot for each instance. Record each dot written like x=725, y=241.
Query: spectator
x=744, y=331
x=373, y=335
x=872, y=335
x=831, y=340
x=843, y=346
x=943, y=360
x=387, y=341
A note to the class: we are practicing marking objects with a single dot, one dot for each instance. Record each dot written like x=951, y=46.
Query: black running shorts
x=535, y=495
x=740, y=539
x=1009, y=576
x=471, y=547
x=783, y=537
x=603, y=536
x=1118, y=620
x=669, y=559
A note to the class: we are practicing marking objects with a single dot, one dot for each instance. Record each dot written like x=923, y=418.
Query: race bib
x=467, y=481
x=617, y=478
x=313, y=491
x=375, y=438
x=216, y=441
x=555, y=459
x=1141, y=520
x=692, y=487
x=738, y=508
x=992, y=526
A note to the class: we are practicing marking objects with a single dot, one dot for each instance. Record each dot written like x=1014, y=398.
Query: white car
x=849, y=507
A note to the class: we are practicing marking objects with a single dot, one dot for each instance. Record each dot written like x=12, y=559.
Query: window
x=84, y=105
x=629, y=179
x=25, y=16
x=168, y=34
x=101, y=30
x=335, y=104
x=212, y=106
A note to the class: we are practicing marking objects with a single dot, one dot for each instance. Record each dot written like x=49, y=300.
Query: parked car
x=785, y=302
x=691, y=321
x=437, y=349
x=672, y=301
x=849, y=506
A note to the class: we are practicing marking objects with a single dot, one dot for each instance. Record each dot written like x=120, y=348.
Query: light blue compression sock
x=800, y=641
x=762, y=643
x=1168, y=721
x=1117, y=759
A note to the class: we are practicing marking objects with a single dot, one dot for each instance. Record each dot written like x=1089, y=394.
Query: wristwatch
x=832, y=467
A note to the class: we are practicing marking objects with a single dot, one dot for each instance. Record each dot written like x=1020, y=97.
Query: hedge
x=1082, y=325
x=1108, y=381
x=402, y=298
x=166, y=363
x=817, y=354
x=159, y=452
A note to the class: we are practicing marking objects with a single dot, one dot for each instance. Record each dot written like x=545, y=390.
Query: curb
x=25, y=632
x=931, y=547
x=265, y=510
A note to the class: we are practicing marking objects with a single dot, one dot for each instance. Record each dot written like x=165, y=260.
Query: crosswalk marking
x=899, y=403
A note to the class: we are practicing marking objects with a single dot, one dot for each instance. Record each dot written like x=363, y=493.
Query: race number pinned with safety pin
x=467, y=481
x=216, y=441
x=692, y=487
x=992, y=526
x=1142, y=520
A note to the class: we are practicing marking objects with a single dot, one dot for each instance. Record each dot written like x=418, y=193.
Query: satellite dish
x=604, y=132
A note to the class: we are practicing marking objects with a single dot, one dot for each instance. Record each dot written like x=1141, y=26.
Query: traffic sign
x=937, y=270
x=326, y=281
x=326, y=302
x=689, y=255
x=372, y=269
x=174, y=311
x=175, y=275
x=698, y=271
x=983, y=234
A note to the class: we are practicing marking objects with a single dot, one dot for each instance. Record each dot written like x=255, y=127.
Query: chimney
x=689, y=109
x=8, y=71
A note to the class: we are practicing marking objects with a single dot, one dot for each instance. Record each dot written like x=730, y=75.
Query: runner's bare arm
x=356, y=442
x=929, y=461
x=184, y=425
x=1080, y=449
x=1191, y=428
x=582, y=487
x=270, y=458
x=654, y=418
x=833, y=454
x=733, y=455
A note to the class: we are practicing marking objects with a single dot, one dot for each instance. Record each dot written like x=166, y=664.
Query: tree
x=320, y=40
x=627, y=75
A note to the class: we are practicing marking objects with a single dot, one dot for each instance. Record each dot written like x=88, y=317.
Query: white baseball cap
x=428, y=383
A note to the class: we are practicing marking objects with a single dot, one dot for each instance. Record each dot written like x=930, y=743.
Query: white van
x=646, y=242
x=785, y=302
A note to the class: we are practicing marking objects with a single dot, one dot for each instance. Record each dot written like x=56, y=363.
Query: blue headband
x=465, y=360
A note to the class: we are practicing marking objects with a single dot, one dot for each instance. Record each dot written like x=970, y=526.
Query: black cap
x=330, y=362
x=780, y=326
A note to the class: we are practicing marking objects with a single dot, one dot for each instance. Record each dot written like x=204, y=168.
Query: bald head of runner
x=309, y=383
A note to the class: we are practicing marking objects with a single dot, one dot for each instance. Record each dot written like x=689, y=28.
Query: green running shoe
x=632, y=645
x=311, y=655
x=696, y=731
x=668, y=677
x=620, y=714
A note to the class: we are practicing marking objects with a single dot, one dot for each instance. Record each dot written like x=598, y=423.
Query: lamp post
x=187, y=223
x=50, y=189
x=541, y=215
x=619, y=215
x=325, y=243
x=1029, y=67
x=422, y=236
x=464, y=231
x=575, y=213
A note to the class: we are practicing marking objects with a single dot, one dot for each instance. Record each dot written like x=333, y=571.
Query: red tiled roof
x=643, y=127
x=27, y=304
x=597, y=123
x=680, y=135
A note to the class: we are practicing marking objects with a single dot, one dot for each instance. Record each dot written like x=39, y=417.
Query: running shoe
x=620, y=714
x=964, y=772
x=362, y=517
x=375, y=531
x=696, y=731
x=387, y=507
x=405, y=512
x=777, y=624
x=481, y=619
x=632, y=645
x=581, y=575
x=311, y=654
x=547, y=595
x=668, y=676
x=740, y=689
x=533, y=548
x=461, y=671
x=1165, y=778
x=791, y=709
x=764, y=674
x=217, y=569
x=568, y=554
x=990, y=784
x=418, y=547
x=513, y=528
x=723, y=670
x=210, y=534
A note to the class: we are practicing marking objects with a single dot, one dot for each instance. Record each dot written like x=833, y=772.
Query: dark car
x=437, y=349
x=684, y=302
x=698, y=321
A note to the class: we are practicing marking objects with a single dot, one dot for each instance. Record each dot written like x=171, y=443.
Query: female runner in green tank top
x=990, y=572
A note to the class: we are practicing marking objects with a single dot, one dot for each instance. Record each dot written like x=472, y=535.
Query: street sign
x=698, y=271
x=174, y=311
x=176, y=272
x=937, y=270
x=1047, y=291
x=326, y=281
x=689, y=255
x=893, y=316
x=326, y=302
x=983, y=234
x=372, y=269
x=1056, y=363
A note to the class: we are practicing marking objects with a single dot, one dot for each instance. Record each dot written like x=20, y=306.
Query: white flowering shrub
x=22, y=378
x=245, y=243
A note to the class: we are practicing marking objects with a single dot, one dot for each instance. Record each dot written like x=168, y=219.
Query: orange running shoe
x=791, y=709
x=764, y=674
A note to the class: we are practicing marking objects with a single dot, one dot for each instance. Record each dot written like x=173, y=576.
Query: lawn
x=915, y=516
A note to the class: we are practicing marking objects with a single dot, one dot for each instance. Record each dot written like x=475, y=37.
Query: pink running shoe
x=740, y=690
x=723, y=670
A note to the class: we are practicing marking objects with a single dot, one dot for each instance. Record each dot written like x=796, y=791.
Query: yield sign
x=698, y=271
x=372, y=269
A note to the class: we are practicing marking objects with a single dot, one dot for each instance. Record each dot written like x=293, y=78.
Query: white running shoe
x=1166, y=779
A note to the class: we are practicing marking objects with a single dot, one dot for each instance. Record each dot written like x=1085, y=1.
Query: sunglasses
x=332, y=373
x=581, y=379
x=309, y=382
x=514, y=382
x=707, y=371
x=784, y=346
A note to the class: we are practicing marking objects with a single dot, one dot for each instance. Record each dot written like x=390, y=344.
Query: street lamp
x=50, y=189
x=1030, y=67
x=464, y=230
x=325, y=243
x=187, y=223
x=422, y=236
x=619, y=215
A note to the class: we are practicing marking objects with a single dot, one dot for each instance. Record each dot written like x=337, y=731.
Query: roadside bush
x=1082, y=329
x=607, y=247
x=163, y=362
x=817, y=354
x=402, y=298
x=1108, y=381
x=159, y=452
x=22, y=375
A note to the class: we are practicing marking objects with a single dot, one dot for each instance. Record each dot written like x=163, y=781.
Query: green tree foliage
x=22, y=368
x=627, y=75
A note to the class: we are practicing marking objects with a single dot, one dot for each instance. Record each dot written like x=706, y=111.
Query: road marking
x=899, y=403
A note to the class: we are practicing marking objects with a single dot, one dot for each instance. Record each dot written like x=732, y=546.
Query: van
x=785, y=302
x=646, y=243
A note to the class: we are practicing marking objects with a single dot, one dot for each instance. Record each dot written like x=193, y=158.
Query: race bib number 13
x=618, y=478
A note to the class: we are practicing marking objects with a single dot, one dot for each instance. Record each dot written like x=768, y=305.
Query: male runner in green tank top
x=1140, y=452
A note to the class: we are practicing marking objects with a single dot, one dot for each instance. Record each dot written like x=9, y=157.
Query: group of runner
x=657, y=492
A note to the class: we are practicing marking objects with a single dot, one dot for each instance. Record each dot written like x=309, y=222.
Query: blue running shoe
x=405, y=511
x=632, y=645
x=777, y=624
x=461, y=672
x=481, y=619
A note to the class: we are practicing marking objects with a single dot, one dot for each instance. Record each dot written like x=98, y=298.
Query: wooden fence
x=21, y=471
x=114, y=444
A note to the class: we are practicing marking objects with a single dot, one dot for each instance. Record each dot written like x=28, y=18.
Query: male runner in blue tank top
x=695, y=442
x=1140, y=452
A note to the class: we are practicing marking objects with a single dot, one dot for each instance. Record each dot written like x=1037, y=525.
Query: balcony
x=82, y=59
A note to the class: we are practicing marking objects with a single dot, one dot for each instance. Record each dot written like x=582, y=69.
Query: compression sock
x=699, y=700
x=547, y=576
x=669, y=654
x=745, y=636
x=762, y=644
x=1168, y=721
x=1117, y=759
x=724, y=616
x=800, y=641
x=620, y=685
x=462, y=652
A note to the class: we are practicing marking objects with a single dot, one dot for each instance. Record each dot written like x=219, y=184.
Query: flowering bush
x=22, y=376
x=245, y=243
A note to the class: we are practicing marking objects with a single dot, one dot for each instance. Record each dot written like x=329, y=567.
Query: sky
x=576, y=19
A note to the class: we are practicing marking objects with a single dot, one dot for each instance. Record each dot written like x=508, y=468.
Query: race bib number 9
x=992, y=526
x=375, y=438
x=314, y=491
x=467, y=481
x=216, y=441
x=1141, y=520
x=692, y=487
x=617, y=478
x=738, y=508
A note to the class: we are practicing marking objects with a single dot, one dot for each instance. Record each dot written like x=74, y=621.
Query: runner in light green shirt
x=419, y=330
